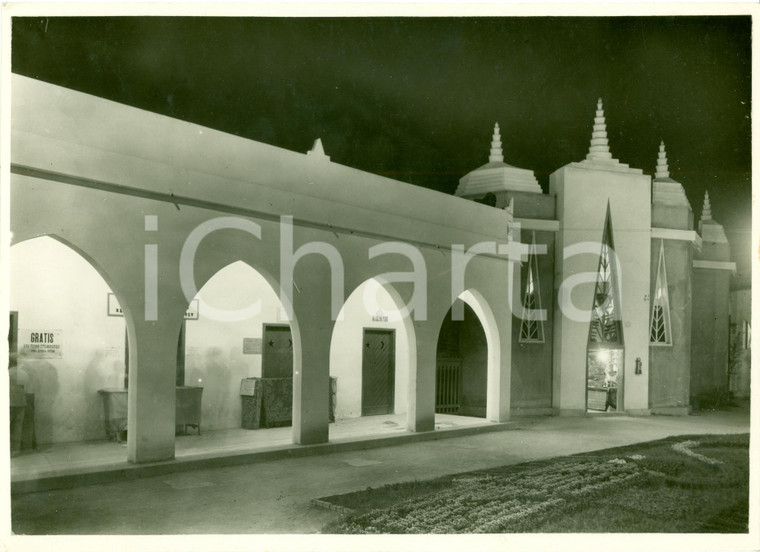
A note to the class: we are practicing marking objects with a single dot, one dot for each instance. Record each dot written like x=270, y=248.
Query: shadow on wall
x=213, y=374
x=102, y=372
x=41, y=378
x=67, y=406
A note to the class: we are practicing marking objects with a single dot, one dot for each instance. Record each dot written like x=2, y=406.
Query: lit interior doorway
x=604, y=379
x=604, y=359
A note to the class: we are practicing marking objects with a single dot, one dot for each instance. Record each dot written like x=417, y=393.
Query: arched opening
x=605, y=347
x=466, y=357
x=237, y=364
x=70, y=347
x=372, y=353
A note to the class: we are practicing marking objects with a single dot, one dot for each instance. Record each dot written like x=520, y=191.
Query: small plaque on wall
x=251, y=345
x=380, y=316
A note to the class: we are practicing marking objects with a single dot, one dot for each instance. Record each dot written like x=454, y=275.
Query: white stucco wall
x=346, y=350
x=54, y=288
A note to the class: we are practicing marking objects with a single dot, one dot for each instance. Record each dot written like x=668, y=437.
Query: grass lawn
x=685, y=484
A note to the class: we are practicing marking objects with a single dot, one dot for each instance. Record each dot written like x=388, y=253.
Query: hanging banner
x=37, y=343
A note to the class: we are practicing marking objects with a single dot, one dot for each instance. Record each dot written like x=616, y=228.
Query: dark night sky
x=416, y=98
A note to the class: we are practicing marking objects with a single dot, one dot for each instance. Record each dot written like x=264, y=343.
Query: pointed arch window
x=531, y=326
x=659, y=327
x=606, y=317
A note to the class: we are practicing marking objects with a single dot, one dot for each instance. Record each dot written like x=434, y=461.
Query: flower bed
x=647, y=487
x=486, y=503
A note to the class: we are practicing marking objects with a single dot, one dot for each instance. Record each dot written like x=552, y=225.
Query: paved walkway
x=63, y=465
x=274, y=496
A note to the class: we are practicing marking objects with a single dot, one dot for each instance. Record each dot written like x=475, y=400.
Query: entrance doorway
x=604, y=357
x=277, y=352
x=605, y=374
x=461, y=381
x=378, y=369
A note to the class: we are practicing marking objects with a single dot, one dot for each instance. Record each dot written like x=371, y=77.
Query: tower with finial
x=712, y=268
x=711, y=231
x=497, y=153
x=496, y=176
x=706, y=208
x=599, y=149
x=662, y=163
x=600, y=200
x=670, y=206
x=599, y=155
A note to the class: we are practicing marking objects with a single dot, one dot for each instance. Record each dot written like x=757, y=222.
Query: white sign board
x=251, y=345
x=192, y=311
x=37, y=343
x=114, y=309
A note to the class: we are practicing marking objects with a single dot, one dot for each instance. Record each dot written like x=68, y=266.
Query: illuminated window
x=659, y=328
x=531, y=327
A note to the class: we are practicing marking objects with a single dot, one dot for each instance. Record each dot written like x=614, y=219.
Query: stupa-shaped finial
x=662, y=163
x=600, y=147
x=497, y=154
x=706, y=209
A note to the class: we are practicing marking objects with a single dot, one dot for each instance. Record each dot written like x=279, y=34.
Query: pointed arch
x=57, y=287
x=375, y=305
x=79, y=251
x=606, y=328
x=451, y=369
x=487, y=319
x=224, y=343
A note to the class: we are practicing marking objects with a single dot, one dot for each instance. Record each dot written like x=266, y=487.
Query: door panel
x=277, y=352
x=378, y=370
x=13, y=340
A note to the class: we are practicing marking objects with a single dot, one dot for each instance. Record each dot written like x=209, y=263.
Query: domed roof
x=496, y=175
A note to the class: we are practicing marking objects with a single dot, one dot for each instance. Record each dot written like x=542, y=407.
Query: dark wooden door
x=180, y=374
x=277, y=352
x=378, y=368
x=13, y=340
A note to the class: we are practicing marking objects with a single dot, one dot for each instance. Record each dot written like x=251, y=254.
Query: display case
x=188, y=401
x=268, y=402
